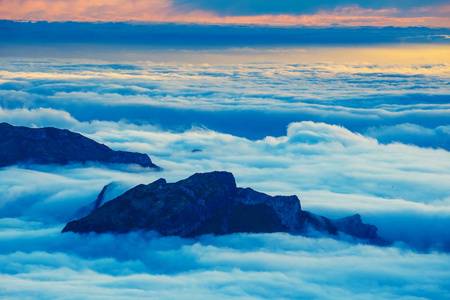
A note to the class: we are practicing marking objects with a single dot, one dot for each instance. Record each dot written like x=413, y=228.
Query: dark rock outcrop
x=208, y=203
x=109, y=192
x=23, y=145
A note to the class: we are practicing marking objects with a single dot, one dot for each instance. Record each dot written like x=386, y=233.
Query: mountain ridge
x=211, y=203
x=49, y=145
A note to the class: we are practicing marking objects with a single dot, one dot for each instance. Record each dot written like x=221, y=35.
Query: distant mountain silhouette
x=208, y=203
x=23, y=145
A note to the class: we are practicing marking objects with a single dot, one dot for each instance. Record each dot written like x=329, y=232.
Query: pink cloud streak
x=164, y=11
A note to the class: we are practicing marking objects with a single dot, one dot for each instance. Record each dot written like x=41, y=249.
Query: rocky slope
x=211, y=203
x=23, y=145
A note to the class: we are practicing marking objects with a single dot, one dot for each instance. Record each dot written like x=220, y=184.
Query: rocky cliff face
x=23, y=145
x=211, y=203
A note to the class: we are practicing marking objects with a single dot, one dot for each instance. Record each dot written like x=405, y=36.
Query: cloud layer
x=255, y=7
x=239, y=266
x=334, y=172
x=394, y=103
x=268, y=12
x=195, y=36
x=347, y=138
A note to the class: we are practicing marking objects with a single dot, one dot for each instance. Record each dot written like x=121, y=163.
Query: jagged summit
x=23, y=145
x=208, y=203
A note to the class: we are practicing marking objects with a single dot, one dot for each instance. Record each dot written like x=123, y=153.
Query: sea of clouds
x=403, y=103
x=346, y=138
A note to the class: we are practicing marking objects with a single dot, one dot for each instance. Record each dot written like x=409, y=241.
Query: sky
x=349, y=119
x=433, y=13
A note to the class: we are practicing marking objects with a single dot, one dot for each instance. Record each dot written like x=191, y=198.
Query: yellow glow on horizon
x=408, y=54
x=402, y=54
x=403, y=59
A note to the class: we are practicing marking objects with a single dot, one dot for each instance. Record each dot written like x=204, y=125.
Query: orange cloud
x=163, y=11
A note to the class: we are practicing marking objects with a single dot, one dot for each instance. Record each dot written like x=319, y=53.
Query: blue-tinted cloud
x=345, y=138
x=243, y=266
x=364, y=98
x=412, y=134
x=334, y=172
x=256, y=7
x=193, y=36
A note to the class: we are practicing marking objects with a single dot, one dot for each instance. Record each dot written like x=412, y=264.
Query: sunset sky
x=269, y=12
x=343, y=103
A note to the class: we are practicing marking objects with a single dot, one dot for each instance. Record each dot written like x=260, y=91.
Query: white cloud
x=336, y=171
x=39, y=117
x=365, y=98
x=333, y=171
x=243, y=266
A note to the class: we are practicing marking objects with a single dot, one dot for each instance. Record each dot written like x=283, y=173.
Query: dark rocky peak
x=208, y=203
x=203, y=185
x=286, y=208
x=169, y=208
x=158, y=184
x=354, y=226
x=23, y=145
x=211, y=180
